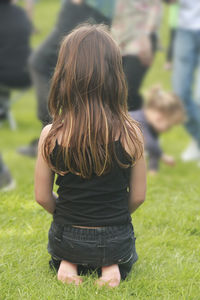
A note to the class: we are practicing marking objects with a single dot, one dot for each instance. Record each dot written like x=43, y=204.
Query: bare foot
x=110, y=276
x=168, y=160
x=168, y=66
x=67, y=273
x=153, y=172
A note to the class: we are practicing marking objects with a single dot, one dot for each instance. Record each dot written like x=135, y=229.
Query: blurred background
x=29, y=46
x=169, y=218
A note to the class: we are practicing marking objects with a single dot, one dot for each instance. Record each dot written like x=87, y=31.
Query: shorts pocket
x=74, y=250
x=81, y=252
x=122, y=249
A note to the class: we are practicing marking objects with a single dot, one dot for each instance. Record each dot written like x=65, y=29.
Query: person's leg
x=4, y=102
x=42, y=87
x=6, y=181
x=185, y=61
x=169, y=56
x=171, y=45
x=1, y=163
x=134, y=71
x=197, y=81
x=197, y=86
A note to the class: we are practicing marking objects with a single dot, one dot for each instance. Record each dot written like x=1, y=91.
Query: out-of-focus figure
x=105, y=7
x=43, y=60
x=187, y=69
x=15, y=31
x=29, y=7
x=161, y=111
x=135, y=27
x=7, y=183
x=173, y=18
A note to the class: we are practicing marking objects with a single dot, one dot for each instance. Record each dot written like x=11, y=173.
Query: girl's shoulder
x=45, y=131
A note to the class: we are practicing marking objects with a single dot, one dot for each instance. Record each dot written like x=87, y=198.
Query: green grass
x=166, y=226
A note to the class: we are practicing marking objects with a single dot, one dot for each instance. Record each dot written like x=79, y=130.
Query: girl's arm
x=44, y=178
x=137, y=190
x=137, y=185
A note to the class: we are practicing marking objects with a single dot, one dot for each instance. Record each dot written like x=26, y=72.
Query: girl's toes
x=112, y=282
x=75, y=279
x=100, y=282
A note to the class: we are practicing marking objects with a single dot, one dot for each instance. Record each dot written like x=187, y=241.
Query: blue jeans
x=186, y=64
x=91, y=249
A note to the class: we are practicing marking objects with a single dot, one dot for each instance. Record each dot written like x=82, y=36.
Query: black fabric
x=42, y=88
x=1, y=163
x=135, y=73
x=71, y=15
x=4, y=103
x=15, y=31
x=98, y=201
x=171, y=45
x=91, y=249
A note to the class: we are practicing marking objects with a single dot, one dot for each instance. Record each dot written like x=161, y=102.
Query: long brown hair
x=88, y=104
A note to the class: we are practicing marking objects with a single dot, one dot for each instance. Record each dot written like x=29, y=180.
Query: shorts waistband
x=92, y=232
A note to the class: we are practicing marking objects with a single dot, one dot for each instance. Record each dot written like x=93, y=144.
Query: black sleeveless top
x=98, y=201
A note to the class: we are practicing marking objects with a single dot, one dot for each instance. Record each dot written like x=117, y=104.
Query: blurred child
x=162, y=111
x=97, y=151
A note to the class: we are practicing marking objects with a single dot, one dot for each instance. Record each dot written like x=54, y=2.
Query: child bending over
x=96, y=150
x=162, y=111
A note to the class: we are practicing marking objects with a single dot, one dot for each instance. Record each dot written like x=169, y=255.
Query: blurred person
x=29, y=7
x=15, y=30
x=134, y=27
x=162, y=111
x=43, y=60
x=105, y=7
x=97, y=151
x=186, y=70
x=173, y=18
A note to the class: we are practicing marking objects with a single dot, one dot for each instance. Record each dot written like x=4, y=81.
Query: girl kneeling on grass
x=96, y=150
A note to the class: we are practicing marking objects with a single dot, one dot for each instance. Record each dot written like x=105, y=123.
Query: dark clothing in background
x=15, y=31
x=171, y=45
x=98, y=201
x=151, y=139
x=135, y=73
x=44, y=59
x=42, y=85
x=1, y=163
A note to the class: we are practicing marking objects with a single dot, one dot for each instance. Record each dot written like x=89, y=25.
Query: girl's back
x=97, y=201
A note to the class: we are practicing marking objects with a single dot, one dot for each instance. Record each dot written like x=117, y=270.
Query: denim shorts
x=91, y=248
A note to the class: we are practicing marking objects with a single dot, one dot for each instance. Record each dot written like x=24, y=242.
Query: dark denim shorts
x=91, y=249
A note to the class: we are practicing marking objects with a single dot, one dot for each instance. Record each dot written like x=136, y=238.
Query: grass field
x=167, y=226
